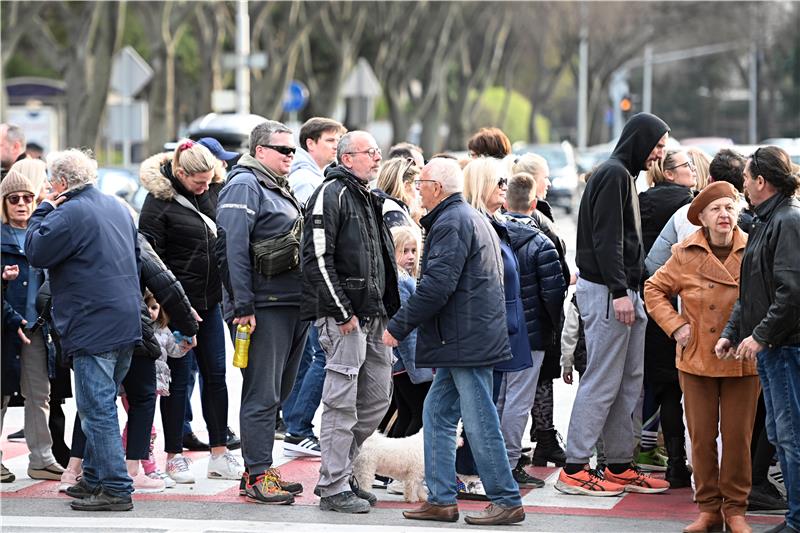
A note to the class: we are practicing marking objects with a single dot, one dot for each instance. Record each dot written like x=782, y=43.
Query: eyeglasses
x=502, y=182
x=285, y=150
x=418, y=182
x=371, y=152
x=688, y=163
x=754, y=163
x=14, y=199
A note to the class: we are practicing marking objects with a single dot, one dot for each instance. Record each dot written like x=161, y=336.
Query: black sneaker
x=6, y=475
x=280, y=429
x=549, y=449
x=234, y=442
x=524, y=479
x=17, y=436
x=243, y=483
x=361, y=493
x=344, y=502
x=80, y=490
x=265, y=489
x=765, y=498
x=301, y=446
x=193, y=444
x=103, y=501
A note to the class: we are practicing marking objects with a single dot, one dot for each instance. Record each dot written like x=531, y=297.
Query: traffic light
x=625, y=104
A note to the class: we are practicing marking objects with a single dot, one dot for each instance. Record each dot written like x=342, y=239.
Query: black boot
x=678, y=472
x=548, y=449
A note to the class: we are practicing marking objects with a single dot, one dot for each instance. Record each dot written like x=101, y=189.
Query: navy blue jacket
x=15, y=295
x=459, y=307
x=88, y=244
x=253, y=207
x=542, y=280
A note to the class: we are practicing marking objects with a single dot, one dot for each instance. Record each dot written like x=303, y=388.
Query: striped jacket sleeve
x=319, y=247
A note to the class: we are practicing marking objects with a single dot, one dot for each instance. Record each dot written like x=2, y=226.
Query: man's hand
x=55, y=198
x=349, y=326
x=724, y=349
x=10, y=272
x=247, y=320
x=748, y=349
x=196, y=315
x=682, y=335
x=389, y=340
x=623, y=310
x=21, y=332
x=567, y=377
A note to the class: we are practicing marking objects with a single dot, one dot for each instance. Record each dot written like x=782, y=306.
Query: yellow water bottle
x=241, y=346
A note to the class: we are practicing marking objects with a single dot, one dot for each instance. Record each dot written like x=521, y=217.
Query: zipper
x=208, y=257
x=608, y=302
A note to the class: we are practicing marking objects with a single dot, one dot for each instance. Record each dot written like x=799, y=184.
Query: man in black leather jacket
x=765, y=322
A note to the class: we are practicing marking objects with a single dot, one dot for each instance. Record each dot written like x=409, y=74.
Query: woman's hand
x=682, y=335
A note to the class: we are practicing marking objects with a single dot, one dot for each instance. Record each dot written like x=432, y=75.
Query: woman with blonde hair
x=177, y=219
x=396, y=186
x=701, y=166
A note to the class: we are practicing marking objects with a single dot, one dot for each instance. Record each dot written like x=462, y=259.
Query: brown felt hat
x=713, y=191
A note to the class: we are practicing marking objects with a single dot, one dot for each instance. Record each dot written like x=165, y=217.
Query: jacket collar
x=767, y=208
x=428, y=220
x=711, y=267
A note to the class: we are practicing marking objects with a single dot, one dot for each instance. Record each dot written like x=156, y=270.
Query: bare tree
x=214, y=22
x=81, y=39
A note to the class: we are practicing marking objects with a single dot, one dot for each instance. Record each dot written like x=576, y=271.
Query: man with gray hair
x=87, y=241
x=458, y=311
x=350, y=290
x=12, y=146
x=260, y=225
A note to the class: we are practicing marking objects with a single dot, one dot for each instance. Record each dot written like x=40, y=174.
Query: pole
x=583, y=81
x=647, y=82
x=242, y=58
x=752, y=133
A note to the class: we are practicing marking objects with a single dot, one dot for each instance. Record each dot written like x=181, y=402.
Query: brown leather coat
x=708, y=289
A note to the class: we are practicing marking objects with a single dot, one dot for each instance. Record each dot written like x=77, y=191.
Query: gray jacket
x=254, y=205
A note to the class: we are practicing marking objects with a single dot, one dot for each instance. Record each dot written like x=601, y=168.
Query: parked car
x=564, y=191
x=117, y=182
x=710, y=145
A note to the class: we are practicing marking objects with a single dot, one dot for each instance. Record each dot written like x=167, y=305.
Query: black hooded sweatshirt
x=609, y=247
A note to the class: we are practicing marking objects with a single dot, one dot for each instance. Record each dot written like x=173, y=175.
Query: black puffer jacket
x=768, y=307
x=459, y=306
x=348, y=254
x=609, y=246
x=178, y=235
x=542, y=283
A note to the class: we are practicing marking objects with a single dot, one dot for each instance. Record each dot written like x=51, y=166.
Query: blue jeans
x=465, y=393
x=97, y=380
x=193, y=374
x=301, y=405
x=779, y=370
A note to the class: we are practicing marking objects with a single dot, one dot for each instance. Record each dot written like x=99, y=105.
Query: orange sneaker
x=588, y=482
x=634, y=480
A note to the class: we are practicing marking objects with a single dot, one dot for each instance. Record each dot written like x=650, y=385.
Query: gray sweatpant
x=610, y=387
x=276, y=347
x=357, y=391
x=35, y=386
x=514, y=403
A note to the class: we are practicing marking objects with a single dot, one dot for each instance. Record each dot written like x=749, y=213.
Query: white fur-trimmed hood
x=158, y=184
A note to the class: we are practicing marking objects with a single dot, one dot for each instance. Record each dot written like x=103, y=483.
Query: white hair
x=75, y=166
x=447, y=172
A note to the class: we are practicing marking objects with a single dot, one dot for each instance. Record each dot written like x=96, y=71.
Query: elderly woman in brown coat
x=704, y=272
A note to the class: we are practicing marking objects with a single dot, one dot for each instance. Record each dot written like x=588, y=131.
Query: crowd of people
x=406, y=296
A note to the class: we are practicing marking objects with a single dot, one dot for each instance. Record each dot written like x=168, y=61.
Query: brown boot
x=494, y=515
x=737, y=524
x=429, y=511
x=705, y=522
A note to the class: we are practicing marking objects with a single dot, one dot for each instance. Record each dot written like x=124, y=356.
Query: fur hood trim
x=158, y=184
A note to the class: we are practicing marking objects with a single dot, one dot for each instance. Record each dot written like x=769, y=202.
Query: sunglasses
x=14, y=199
x=502, y=182
x=285, y=150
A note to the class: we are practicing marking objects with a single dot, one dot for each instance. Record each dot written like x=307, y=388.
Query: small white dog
x=401, y=459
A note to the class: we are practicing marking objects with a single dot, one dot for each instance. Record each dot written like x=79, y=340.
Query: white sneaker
x=395, y=487
x=143, y=484
x=158, y=474
x=301, y=447
x=224, y=466
x=775, y=476
x=179, y=469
